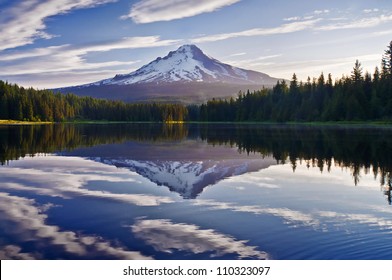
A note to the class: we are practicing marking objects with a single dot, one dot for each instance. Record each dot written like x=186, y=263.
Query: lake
x=155, y=191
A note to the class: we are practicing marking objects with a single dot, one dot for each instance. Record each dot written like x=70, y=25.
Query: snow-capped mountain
x=189, y=178
x=186, y=167
x=188, y=64
x=185, y=75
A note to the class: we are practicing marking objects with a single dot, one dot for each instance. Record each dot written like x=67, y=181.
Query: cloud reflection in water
x=165, y=236
x=292, y=217
x=66, y=177
x=26, y=222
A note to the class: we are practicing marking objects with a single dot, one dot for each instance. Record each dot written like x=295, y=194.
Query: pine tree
x=376, y=76
x=356, y=74
x=387, y=60
x=294, y=84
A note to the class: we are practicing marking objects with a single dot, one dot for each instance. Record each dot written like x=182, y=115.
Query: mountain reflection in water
x=156, y=191
x=368, y=149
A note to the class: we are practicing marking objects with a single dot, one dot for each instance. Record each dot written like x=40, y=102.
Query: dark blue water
x=195, y=192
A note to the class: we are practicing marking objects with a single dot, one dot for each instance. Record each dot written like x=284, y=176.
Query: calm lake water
x=195, y=192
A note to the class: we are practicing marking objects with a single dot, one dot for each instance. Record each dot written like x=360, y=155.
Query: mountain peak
x=188, y=64
x=185, y=52
x=191, y=49
x=188, y=48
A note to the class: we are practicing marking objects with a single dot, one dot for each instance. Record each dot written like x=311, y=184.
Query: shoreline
x=14, y=122
x=316, y=123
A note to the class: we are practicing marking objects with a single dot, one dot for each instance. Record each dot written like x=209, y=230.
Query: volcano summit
x=185, y=75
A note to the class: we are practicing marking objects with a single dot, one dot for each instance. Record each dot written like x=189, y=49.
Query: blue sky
x=57, y=43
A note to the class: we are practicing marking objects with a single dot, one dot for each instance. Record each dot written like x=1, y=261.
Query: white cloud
x=68, y=78
x=127, y=43
x=166, y=236
x=359, y=23
x=283, y=29
x=370, y=220
x=319, y=12
x=66, y=58
x=368, y=11
x=252, y=179
x=64, y=51
x=53, y=64
x=24, y=22
x=26, y=222
x=292, y=19
x=63, y=183
x=308, y=17
x=13, y=252
x=290, y=216
x=251, y=62
x=147, y=11
x=382, y=33
x=299, y=18
x=268, y=56
x=237, y=54
x=37, y=52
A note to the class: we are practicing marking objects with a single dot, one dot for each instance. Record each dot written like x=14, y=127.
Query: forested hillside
x=359, y=96
x=18, y=103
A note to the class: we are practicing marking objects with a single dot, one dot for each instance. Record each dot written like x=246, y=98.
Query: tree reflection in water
x=360, y=149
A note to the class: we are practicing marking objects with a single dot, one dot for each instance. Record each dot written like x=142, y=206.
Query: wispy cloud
x=299, y=18
x=237, y=54
x=249, y=63
x=78, y=51
x=368, y=11
x=54, y=64
x=49, y=171
x=66, y=58
x=13, y=252
x=127, y=43
x=371, y=221
x=24, y=22
x=166, y=236
x=66, y=78
x=147, y=11
x=319, y=12
x=290, y=216
x=283, y=29
x=347, y=22
x=268, y=56
x=308, y=17
x=26, y=222
x=292, y=18
x=382, y=33
x=358, y=23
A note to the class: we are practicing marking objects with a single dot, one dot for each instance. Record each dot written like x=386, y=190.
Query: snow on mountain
x=188, y=64
x=188, y=178
x=186, y=166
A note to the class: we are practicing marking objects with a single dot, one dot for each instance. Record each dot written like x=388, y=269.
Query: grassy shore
x=13, y=122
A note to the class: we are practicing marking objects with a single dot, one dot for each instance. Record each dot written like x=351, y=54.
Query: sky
x=58, y=43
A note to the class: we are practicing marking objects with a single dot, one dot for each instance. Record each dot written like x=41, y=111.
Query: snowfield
x=187, y=64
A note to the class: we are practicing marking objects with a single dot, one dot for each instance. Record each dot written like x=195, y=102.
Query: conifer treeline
x=356, y=97
x=18, y=103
